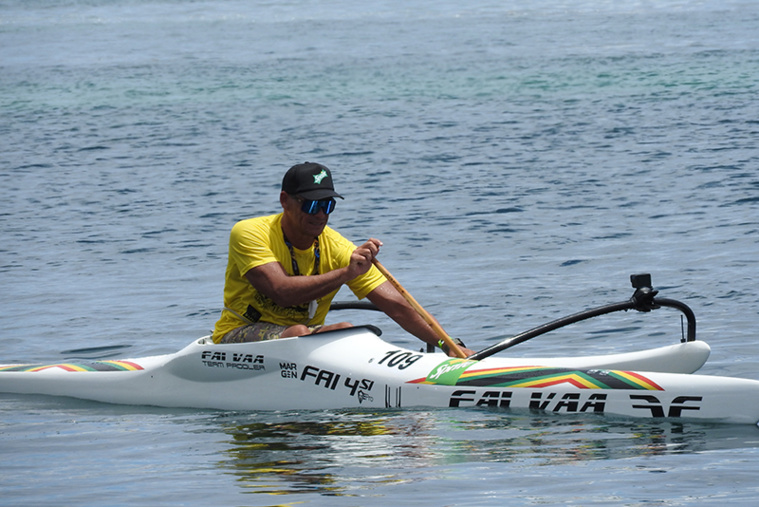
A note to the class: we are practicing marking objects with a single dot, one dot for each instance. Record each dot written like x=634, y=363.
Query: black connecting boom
x=643, y=300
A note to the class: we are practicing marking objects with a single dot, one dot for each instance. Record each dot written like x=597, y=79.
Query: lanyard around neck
x=296, y=270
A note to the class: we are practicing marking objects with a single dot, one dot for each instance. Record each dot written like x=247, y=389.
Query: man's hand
x=450, y=352
x=362, y=257
x=465, y=350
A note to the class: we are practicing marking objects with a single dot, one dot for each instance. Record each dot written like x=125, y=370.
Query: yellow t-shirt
x=257, y=241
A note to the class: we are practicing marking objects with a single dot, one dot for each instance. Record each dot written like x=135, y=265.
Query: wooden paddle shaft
x=421, y=311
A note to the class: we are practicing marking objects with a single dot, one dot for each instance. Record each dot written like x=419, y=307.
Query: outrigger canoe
x=356, y=369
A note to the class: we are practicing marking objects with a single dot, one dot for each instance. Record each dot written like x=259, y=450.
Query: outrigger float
x=355, y=369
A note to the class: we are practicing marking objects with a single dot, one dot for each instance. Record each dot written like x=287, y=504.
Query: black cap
x=310, y=180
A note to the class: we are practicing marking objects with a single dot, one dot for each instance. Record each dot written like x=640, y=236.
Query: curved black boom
x=642, y=300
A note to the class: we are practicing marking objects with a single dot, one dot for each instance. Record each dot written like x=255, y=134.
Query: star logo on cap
x=319, y=177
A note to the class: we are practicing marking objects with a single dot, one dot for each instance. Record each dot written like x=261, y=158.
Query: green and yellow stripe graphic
x=456, y=372
x=90, y=366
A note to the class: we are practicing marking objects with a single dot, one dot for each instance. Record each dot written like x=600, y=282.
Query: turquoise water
x=518, y=159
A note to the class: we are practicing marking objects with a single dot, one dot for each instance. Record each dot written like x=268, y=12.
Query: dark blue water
x=519, y=160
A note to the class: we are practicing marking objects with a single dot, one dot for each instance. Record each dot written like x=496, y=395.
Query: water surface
x=518, y=159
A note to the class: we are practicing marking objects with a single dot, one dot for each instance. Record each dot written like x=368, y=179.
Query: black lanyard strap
x=317, y=255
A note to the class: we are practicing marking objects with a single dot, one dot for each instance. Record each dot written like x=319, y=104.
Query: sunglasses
x=313, y=207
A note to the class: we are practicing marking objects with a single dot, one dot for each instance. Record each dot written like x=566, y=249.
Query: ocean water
x=519, y=160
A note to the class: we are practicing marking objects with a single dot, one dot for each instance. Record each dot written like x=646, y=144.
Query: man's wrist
x=444, y=346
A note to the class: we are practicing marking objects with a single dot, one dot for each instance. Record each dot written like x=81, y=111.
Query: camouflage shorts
x=258, y=332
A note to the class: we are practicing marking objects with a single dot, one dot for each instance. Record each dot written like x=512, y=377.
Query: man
x=285, y=269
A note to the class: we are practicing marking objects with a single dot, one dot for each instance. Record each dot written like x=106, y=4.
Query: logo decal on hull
x=334, y=381
x=237, y=360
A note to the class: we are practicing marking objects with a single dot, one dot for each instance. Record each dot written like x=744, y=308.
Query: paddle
x=421, y=311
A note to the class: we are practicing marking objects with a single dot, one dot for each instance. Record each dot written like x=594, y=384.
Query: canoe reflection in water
x=338, y=453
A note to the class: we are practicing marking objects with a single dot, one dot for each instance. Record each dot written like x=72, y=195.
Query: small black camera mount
x=643, y=298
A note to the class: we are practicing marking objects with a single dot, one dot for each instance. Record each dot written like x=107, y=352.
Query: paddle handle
x=421, y=311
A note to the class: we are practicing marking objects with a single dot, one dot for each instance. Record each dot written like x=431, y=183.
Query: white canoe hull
x=354, y=368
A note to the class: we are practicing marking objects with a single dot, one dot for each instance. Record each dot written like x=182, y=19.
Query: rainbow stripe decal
x=79, y=367
x=457, y=372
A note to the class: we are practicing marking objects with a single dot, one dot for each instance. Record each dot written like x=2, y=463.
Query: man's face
x=309, y=225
